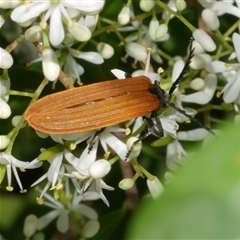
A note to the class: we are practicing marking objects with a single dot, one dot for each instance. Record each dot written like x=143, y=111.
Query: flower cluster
x=71, y=39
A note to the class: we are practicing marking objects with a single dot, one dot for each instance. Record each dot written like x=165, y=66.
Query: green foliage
x=202, y=202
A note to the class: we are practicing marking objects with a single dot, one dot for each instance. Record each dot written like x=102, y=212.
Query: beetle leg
x=148, y=130
x=94, y=139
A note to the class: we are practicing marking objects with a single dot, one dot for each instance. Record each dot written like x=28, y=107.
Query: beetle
x=99, y=105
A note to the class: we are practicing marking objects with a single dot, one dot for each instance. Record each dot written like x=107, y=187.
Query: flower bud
x=4, y=86
x=16, y=119
x=126, y=183
x=161, y=31
x=180, y=5
x=136, y=51
x=105, y=50
x=5, y=110
x=136, y=148
x=198, y=49
x=200, y=61
x=211, y=19
x=10, y=4
x=204, y=39
x=155, y=187
x=33, y=34
x=51, y=68
x=2, y=21
x=99, y=169
x=30, y=225
x=124, y=16
x=80, y=32
x=147, y=6
x=152, y=29
x=6, y=60
x=4, y=141
x=90, y=228
x=197, y=84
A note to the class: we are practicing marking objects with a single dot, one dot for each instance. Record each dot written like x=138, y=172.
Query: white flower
x=231, y=90
x=11, y=164
x=155, y=187
x=205, y=94
x=54, y=12
x=176, y=155
x=51, y=68
x=6, y=60
x=61, y=212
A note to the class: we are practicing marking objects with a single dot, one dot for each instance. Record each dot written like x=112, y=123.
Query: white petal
x=63, y=221
x=152, y=28
x=6, y=60
x=216, y=67
x=92, y=57
x=28, y=11
x=51, y=68
x=236, y=43
x=119, y=73
x=91, y=228
x=177, y=68
x=2, y=21
x=204, y=39
x=99, y=169
x=232, y=89
x=4, y=141
x=200, y=61
x=136, y=51
x=80, y=32
x=193, y=135
x=56, y=31
x=89, y=7
x=211, y=19
x=124, y=16
x=30, y=225
x=86, y=210
x=226, y=7
x=47, y=218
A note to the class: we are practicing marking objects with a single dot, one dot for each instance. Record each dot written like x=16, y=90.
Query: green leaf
x=50, y=152
x=203, y=200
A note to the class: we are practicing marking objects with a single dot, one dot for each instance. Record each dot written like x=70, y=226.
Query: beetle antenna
x=191, y=118
x=186, y=66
